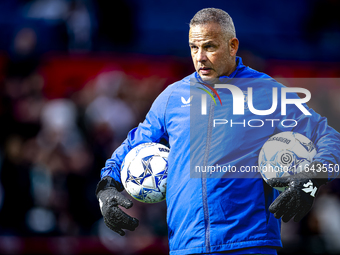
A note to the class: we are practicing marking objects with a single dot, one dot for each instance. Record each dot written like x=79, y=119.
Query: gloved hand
x=109, y=198
x=298, y=198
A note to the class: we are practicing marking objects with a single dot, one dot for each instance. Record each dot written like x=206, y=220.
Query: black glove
x=298, y=198
x=109, y=198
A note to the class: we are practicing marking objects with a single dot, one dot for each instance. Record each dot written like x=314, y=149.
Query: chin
x=208, y=78
x=205, y=78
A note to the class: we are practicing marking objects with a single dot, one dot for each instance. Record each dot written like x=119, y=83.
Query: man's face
x=212, y=53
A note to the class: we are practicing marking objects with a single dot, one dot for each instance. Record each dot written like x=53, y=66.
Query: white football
x=144, y=172
x=285, y=154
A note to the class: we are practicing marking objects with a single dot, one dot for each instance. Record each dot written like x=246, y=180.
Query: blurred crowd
x=53, y=143
x=52, y=150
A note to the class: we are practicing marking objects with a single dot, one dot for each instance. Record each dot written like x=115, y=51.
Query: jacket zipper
x=204, y=177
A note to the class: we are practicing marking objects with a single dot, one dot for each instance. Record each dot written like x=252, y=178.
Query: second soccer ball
x=285, y=154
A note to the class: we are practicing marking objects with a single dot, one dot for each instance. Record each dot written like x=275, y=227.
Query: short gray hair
x=214, y=15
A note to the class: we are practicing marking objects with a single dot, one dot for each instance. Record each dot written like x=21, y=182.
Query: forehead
x=206, y=32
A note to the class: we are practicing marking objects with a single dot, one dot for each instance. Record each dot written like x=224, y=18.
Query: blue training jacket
x=222, y=211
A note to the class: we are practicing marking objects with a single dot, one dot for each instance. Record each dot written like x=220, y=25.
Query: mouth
x=204, y=70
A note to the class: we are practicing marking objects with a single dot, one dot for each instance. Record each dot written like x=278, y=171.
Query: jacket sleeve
x=324, y=137
x=153, y=129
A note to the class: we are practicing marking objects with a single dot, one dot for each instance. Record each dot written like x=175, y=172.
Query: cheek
x=194, y=59
x=213, y=58
x=221, y=63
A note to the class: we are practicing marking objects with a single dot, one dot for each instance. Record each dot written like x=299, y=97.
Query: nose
x=201, y=56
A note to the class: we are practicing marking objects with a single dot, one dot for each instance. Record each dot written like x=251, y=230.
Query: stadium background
x=75, y=76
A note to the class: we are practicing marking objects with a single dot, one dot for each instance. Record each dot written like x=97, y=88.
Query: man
x=213, y=214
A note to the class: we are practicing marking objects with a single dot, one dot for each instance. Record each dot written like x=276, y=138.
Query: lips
x=204, y=70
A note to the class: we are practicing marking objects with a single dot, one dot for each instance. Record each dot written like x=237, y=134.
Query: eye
x=209, y=47
x=193, y=48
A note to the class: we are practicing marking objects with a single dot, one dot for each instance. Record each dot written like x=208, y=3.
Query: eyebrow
x=208, y=42
x=204, y=44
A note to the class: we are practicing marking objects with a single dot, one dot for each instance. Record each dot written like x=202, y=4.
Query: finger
x=301, y=214
x=278, y=214
x=114, y=228
x=133, y=225
x=287, y=208
x=119, y=231
x=287, y=216
x=291, y=210
x=123, y=201
x=280, y=202
x=125, y=221
x=278, y=182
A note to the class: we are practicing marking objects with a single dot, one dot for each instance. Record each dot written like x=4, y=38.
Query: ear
x=233, y=46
